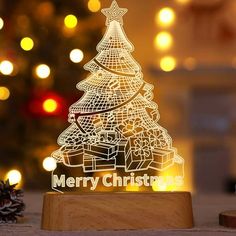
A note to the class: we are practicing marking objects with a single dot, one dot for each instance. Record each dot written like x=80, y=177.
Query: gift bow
x=131, y=126
x=141, y=148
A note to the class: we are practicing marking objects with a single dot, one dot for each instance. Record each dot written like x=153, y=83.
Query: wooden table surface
x=206, y=210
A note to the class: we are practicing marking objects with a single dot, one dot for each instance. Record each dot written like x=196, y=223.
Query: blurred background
x=187, y=50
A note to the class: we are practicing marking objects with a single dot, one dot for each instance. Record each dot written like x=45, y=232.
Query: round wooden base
x=117, y=211
x=228, y=219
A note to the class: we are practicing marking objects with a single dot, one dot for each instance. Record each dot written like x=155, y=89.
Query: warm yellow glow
x=165, y=186
x=94, y=5
x=190, y=63
x=27, y=43
x=165, y=17
x=42, y=71
x=163, y=40
x=49, y=164
x=6, y=67
x=70, y=21
x=183, y=1
x=157, y=187
x=76, y=55
x=4, y=93
x=1, y=23
x=50, y=105
x=131, y=188
x=14, y=176
x=168, y=63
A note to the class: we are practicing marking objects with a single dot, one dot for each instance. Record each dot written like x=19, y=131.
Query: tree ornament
x=11, y=204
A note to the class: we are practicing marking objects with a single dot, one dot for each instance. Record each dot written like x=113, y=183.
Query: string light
x=1, y=23
x=42, y=71
x=76, y=55
x=27, y=43
x=163, y=40
x=14, y=176
x=4, y=93
x=50, y=105
x=94, y=5
x=70, y=21
x=6, y=67
x=168, y=63
x=49, y=164
x=165, y=17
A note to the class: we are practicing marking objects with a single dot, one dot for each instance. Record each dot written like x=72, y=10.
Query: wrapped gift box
x=162, y=159
x=73, y=157
x=138, y=154
x=121, y=145
x=161, y=166
x=93, y=163
x=163, y=155
x=137, y=142
x=152, y=135
x=120, y=158
x=108, y=136
x=137, y=161
x=102, y=150
x=128, y=133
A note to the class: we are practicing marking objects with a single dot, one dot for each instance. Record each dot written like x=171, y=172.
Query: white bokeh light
x=43, y=71
x=1, y=23
x=76, y=55
x=49, y=164
x=14, y=176
x=6, y=67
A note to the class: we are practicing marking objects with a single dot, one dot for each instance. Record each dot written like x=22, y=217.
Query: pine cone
x=11, y=206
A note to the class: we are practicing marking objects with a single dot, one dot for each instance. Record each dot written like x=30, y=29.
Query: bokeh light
x=183, y=1
x=190, y=63
x=70, y=21
x=50, y=105
x=14, y=176
x=6, y=67
x=49, y=164
x=4, y=93
x=94, y=5
x=76, y=55
x=27, y=43
x=168, y=63
x=45, y=10
x=165, y=17
x=42, y=71
x=1, y=23
x=163, y=40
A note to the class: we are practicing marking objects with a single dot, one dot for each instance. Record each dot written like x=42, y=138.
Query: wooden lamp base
x=117, y=211
x=228, y=219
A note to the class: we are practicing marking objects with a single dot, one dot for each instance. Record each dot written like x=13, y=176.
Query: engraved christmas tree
x=115, y=123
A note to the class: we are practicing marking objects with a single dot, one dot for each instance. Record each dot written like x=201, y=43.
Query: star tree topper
x=114, y=13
